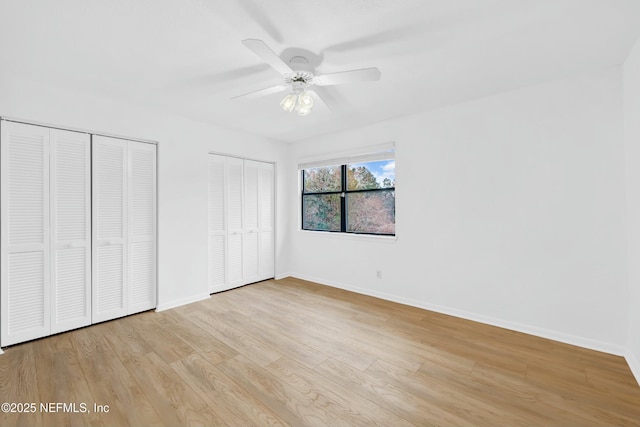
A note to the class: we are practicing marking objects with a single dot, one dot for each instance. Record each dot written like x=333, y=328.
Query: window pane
x=370, y=175
x=318, y=180
x=321, y=212
x=371, y=212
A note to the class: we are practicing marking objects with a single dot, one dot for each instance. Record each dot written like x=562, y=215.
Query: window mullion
x=343, y=201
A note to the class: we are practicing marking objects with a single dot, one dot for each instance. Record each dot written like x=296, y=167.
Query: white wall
x=510, y=210
x=632, y=157
x=182, y=171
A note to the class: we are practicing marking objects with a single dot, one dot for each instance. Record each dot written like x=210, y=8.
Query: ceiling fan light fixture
x=288, y=103
x=305, y=100
x=305, y=104
x=298, y=74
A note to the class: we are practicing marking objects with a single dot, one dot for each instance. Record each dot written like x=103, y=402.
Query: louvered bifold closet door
x=251, y=221
x=235, y=221
x=70, y=197
x=217, y=223
x=266, y=267
x=109, y=170
x=24, y=242
x=142, y=227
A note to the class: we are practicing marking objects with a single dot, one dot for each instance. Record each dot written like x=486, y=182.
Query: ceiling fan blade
x=263, y=92
x=395, y=35
x=322, y=103
x=225, y=77
x=261, y=49
x=362, y=75
x=256, y=11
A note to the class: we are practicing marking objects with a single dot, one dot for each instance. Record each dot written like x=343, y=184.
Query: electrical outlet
x=379, y=274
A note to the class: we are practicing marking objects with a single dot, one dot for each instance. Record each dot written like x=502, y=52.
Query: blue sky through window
x=381, y=169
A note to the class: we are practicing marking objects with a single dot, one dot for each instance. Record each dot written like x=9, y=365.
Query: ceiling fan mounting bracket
x=298, y=60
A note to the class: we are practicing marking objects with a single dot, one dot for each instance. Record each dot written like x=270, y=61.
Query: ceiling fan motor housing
x=299, y=79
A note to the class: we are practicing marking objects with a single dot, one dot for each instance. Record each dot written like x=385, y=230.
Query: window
x=356, y=196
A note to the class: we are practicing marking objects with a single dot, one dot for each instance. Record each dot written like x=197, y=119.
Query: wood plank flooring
x=294, y=353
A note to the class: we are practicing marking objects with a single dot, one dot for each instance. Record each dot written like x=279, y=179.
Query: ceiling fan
x=298, y=76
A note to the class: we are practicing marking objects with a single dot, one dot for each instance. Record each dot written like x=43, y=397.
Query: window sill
x=351, y=236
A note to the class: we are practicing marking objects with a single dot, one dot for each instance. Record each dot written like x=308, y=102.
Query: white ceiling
x=186, y=56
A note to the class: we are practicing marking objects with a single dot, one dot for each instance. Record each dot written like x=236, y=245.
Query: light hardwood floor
x=291, y=352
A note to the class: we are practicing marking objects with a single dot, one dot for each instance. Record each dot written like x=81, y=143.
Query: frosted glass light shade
x=305, y=100
x=288, y=103
x=305, y=104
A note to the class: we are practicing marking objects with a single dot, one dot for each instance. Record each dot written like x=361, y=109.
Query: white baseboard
x=1, y=352
x=514, y=326
x=634, y=365
x=181, y=301
x=216, y=289
x=283, y=275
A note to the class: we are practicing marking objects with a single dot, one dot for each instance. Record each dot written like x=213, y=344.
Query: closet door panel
x=250, y=257
x=217, y=262
x=234, y=193
x=217, y=223
x=71, y=293
x=110, y=226
x=251, y=176
x=251, y=221
x=235, y=221
x=142, y=295
x=71, y=230
x=142, y=227
x=266, y=265
x=266, y=230
x=108, y=290
x=26, y=315
x=24, y=241
x=234, y=253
